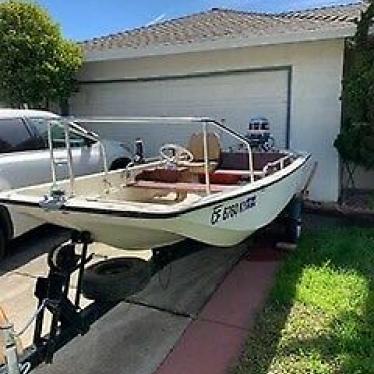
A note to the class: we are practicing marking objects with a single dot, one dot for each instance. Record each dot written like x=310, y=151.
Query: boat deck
x=158, y=188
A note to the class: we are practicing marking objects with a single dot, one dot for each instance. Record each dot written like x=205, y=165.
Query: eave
x=219, y=44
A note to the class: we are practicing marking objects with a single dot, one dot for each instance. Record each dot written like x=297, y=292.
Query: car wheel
x=120, y=163
x=115, y=279
x=3, y=243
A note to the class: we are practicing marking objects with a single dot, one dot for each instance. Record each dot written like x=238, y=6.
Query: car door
x=85, y=153
x=18, y=165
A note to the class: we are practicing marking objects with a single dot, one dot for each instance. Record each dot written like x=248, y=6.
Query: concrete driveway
x=137, y=335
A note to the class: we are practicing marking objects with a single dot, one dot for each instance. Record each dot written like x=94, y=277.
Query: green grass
x=320, y=315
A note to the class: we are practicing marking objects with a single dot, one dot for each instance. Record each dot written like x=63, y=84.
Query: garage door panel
x=233, y=97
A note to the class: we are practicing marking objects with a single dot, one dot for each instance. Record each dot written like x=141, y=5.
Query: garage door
x=235, y=97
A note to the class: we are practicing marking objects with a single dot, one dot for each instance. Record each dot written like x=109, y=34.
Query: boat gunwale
x=214, y=199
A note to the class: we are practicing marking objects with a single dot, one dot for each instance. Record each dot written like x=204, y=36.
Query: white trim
x=227, y=43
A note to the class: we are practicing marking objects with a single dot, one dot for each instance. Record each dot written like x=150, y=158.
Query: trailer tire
x=3, y=242
x=115, y=279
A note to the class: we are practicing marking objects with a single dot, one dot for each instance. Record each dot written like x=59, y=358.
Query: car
x=25, y=160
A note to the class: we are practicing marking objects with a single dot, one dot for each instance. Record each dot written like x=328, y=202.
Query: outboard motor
x=259, y=134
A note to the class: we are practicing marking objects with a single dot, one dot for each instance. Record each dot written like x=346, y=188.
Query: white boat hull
x=223, y=220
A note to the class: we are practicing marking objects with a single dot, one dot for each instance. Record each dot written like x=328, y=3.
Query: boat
x=198, y=191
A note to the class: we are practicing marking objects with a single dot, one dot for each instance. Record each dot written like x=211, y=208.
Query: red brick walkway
x=213, y=342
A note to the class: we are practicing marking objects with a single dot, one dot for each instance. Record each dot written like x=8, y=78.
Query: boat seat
x=179, y=187
x=196, y=147
x=199, y=167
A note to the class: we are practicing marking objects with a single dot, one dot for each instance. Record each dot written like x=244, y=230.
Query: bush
x=356, y=144
x=356, y=140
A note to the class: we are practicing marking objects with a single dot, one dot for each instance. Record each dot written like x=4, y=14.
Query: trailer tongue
x=68, y=318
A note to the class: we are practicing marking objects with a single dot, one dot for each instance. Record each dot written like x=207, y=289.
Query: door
x=236, y=97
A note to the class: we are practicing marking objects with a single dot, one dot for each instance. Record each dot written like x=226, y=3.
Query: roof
x=25, y=113
x=220, y=24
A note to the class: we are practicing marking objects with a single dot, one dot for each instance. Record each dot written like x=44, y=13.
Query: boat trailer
x=68, y=319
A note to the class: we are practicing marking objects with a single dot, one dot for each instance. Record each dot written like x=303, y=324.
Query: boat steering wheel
x=175, y=154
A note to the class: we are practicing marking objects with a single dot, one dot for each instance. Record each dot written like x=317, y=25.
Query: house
x=231, y=65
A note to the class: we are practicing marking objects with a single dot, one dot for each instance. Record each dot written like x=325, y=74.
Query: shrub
x=37, y=65
x=356, y=140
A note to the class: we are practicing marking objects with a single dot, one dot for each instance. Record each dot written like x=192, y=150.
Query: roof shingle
x=225, y=23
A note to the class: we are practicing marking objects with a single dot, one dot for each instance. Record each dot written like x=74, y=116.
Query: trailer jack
x=68, y=319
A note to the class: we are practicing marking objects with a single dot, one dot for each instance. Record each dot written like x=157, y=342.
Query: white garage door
x=235, y=97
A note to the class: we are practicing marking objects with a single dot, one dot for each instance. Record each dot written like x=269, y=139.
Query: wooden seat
x=243, y=173
x=199, y=167
x=179, y=187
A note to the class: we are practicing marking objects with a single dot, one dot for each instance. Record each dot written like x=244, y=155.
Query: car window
x=15, y=137
x=58, y=134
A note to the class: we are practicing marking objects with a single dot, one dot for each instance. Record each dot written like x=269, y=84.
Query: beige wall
x=316, y=85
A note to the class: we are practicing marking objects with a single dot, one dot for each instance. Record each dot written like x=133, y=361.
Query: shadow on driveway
x=31, y=245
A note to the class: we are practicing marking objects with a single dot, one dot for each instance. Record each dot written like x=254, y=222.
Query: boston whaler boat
x=196, y=191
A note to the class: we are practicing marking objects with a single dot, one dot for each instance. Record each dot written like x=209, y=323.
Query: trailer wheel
x=115, y=279
x=3, y=242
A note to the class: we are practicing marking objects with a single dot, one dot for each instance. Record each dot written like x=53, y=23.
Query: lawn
x=320, y=315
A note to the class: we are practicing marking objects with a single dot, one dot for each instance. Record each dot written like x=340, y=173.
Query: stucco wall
x=316, y=85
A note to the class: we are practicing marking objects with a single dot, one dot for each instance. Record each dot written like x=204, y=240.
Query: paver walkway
x=213, y=342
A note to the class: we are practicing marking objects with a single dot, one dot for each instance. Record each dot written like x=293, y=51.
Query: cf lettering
x=216, y=215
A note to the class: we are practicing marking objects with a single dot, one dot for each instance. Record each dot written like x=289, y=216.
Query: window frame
x=87, y=141
x=29, y=131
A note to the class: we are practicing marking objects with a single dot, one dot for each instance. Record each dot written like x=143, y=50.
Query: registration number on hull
x=224, y=212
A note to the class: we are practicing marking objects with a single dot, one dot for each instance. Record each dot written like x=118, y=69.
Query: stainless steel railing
x=68, y=128
x=71, y=127
x=205, y=122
